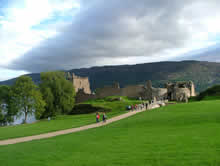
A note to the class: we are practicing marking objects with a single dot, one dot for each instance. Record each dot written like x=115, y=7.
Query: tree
x=27, y=97
x=7, y=111
x=57, y=92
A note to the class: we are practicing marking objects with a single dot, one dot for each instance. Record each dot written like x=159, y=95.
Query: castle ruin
x=79, y=83
x=179, y=91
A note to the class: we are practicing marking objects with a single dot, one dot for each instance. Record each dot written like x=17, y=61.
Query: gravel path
x=67, y=131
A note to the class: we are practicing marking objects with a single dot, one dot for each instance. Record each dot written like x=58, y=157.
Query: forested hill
x=203, y=74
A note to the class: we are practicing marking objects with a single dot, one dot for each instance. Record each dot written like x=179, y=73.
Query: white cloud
x=107, y=32
x=17, y=32
x=6, y=74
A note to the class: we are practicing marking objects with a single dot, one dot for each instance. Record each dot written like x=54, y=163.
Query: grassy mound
x=88, y=109
x=67, y=121
x=212, y=93
x=182, y=134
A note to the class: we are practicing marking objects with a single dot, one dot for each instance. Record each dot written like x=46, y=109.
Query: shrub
x=213, y=92
x=87, y=109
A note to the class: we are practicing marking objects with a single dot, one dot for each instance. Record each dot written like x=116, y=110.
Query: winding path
x=67, y=131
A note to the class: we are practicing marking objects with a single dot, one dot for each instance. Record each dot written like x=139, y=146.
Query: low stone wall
x=108, y=91
x=82, y=97
x=133, y=91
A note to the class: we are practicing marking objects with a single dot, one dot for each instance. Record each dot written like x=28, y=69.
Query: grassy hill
x=212, y=93
x=203, y=74
x=182, y=134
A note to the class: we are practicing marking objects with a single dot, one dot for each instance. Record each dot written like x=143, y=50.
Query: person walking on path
x=104, y=117
x=132, y=108
x=97, y=117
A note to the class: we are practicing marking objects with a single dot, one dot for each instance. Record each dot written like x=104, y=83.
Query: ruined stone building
x=113, y=90
x=79, y=83
x=146, y=92
x=179, y=91
x=151, y=93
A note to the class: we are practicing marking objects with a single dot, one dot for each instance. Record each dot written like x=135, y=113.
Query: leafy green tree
x=7, y=111
x=57, y=92
x=27, y=98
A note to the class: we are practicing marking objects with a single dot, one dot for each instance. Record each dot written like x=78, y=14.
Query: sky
x=45, y=35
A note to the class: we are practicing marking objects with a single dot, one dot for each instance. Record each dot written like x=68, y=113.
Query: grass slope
x=65, y=122
x=212, y=93
x=183, y=135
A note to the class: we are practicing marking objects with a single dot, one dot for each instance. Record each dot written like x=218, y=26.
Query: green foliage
x=27, y=98
x=212, y=93
x=57, y=92
x=87, y=109
x=4, y=91
x=7, y=110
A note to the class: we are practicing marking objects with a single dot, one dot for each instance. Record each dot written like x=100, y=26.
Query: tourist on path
x=97, y=117
x=104, y=117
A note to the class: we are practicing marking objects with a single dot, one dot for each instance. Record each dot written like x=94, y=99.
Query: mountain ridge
x=204, y=74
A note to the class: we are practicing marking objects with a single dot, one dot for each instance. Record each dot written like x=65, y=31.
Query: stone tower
x=149, y=84
x=81, y=83
x=148, y=91
x=192, y=89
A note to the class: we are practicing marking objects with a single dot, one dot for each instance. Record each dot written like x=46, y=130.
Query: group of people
x=104, y=117
x=136, y=107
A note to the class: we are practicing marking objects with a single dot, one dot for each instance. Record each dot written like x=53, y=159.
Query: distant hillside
x=203, y=74
x=212, y=93
x=35, y=77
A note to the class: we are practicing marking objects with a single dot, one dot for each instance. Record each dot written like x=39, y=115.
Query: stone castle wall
x=108, y=91
x=130, y=91
x=133, y=91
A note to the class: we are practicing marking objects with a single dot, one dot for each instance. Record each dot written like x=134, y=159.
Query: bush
x=87, y=109
x=114, y=98
x=211, y=93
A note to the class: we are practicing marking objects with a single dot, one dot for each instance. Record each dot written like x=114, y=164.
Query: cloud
x=126, y=31
x=206, y=54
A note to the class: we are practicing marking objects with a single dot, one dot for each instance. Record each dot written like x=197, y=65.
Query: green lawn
x=176, y=135
x=64, y=122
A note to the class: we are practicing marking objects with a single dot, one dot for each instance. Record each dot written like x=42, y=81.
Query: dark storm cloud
x=105, y=31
